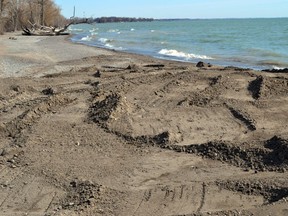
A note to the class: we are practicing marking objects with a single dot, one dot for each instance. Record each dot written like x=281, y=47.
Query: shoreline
x=51, y=55
x=24, y=55
x=40, y=52
x=87, y=131
x=259, y=68
x=229, y=55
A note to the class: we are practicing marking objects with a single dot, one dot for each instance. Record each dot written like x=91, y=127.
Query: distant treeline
x=121, y=19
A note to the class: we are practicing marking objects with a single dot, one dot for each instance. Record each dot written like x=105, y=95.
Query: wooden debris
x=36, y=30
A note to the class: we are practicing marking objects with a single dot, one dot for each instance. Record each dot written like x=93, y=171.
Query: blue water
x=253, y=43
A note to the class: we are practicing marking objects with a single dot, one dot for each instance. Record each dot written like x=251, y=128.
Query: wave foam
x=106, y=43
x=278, y=68
x=75, y=29
x=87, y=38
x=104, y=40
x=109, y=45
x=113, y=30
x=179, y=54
x=94, y=30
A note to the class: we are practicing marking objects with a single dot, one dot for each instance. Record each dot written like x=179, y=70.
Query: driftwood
x=49, y=30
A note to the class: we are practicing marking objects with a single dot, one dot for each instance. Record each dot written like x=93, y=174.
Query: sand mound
x=81, y=194
x=271, y=191
x=102, y=111
x=270, y=155
x=268, y=87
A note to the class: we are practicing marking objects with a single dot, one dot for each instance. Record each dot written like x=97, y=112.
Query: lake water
x=253, y=43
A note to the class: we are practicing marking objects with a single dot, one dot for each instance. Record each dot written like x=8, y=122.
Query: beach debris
x=95, y=84
x=284, y=70
x=48, y=91
x=2, y=152
x=39, y=30
x=97, y=74
x=45, y=31
x=130, y=67
x=200, y=64
x=235, y=69
x=16, y=88
x=114, y=69
x=155, y=65
x=133, y=68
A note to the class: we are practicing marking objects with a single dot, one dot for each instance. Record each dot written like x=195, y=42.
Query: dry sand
x=86, y=131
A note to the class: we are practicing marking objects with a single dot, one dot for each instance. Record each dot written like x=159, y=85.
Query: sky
x=159, y=9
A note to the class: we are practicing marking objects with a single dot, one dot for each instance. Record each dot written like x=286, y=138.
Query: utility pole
x=72, y=17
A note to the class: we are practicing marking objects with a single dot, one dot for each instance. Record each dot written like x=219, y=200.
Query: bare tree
x=41, y=2
x=15, y=14
x=2, y=23
x=12, y=14
x=1, y=6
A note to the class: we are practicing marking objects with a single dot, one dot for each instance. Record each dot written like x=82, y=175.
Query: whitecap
x=75, y=29
x=132, y=29
x=113, y=30
x=103, y=40
x=277, y=67
x=87, y=38
x=109, y=45
x=93, y=30
x=179, y=54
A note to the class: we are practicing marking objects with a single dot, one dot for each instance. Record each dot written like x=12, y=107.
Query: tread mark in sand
x=173, y=194
x=202, y=197
x=245, y=119
x=48, y=207
x=182, y=191
x=146, y=197
x=13, y=192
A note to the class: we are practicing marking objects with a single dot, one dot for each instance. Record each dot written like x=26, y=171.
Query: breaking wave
x=93, y=30
x=178, y=54
x=87, y=38
x=103, y=40
x=75, y=29
x=106, y=43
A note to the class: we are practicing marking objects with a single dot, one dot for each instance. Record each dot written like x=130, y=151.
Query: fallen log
x=49, y=31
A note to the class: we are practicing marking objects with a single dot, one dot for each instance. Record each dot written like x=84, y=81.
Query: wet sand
x=88, y=131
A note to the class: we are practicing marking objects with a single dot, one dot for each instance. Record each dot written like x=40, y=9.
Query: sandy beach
x=88, y=131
